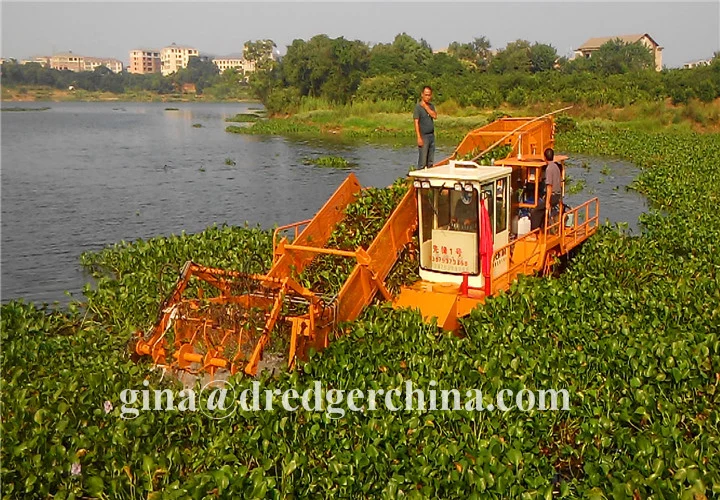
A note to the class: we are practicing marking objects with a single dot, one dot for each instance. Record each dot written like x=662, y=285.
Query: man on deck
x=553, y=178
x=424, y=116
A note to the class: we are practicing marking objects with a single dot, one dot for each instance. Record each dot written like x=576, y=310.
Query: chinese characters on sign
x=450, y=256
x=454, y=251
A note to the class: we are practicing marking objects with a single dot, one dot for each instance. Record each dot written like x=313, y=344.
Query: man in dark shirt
x=424, y=116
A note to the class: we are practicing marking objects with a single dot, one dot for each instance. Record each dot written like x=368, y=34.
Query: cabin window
x=495, y=195
x=488, y=194
x=449, y=230
x=501, y=189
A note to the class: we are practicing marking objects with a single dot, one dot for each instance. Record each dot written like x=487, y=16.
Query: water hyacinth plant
x=243, y=118
x=328, y=161
x=630, y=329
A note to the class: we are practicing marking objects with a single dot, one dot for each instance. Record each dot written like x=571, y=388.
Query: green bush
x=284, y=100
x=485, y=98
x=564, y=123
x=707, y=91
x=517, y=97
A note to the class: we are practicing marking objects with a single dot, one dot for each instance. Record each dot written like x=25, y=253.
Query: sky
x=688, y=31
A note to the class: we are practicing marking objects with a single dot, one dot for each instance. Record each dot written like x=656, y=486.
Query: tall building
x=175, y=57
x=144, y=61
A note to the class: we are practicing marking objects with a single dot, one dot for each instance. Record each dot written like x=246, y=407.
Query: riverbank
x=375, y=122
x=49, y=94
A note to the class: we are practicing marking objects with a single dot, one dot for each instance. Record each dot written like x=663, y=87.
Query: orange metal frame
x=201, y=342
x=531, y=253
x=229, y=326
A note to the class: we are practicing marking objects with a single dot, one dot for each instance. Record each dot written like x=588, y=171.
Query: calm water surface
x=81, y=176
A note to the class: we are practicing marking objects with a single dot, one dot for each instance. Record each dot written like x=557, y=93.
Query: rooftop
x=175, y=46
x=595, y=43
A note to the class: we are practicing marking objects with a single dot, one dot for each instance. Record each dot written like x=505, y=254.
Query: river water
x=80, y=176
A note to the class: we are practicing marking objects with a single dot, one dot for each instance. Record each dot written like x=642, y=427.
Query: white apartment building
x=697, y=64
x=175, y=57
x=42, y=60
x=234, y=62
x=94, y=62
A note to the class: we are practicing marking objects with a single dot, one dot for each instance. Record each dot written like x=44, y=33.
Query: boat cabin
x=463, y=217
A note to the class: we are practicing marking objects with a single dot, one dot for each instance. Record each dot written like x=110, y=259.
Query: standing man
x=553, y=178
x=425, y=116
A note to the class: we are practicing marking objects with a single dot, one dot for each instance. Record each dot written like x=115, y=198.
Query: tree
x=264, y=80
x=202, y=73
x=462, y=51
x=617, y=57
x=403, y=55
x=514, y=57
x=331, y=68
x=307, y=64
x=445, y=65
x=476, y=53
x=482, y=50
x=542, y=57
x=260, y=52
x=351, y=61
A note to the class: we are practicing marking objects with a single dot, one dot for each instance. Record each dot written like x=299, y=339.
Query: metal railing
x=527, y=263
x=294, y=226
x=579, y=223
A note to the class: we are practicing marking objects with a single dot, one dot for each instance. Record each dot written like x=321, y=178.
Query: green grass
x=391, y=121
x=378, y=121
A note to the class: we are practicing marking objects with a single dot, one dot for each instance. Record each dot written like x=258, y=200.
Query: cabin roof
x=462, y=171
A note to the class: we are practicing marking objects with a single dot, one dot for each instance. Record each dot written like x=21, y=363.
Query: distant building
x=234, y=61
x=228, y=62
x=91, y=63
x=593, y=44
x=67, y=61
x=175, y=57
x=696, y=64
x=74, y=62
x=144, y=61
x=42, y=60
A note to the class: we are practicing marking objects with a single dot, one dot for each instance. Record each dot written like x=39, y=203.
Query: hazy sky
x=687, y=30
